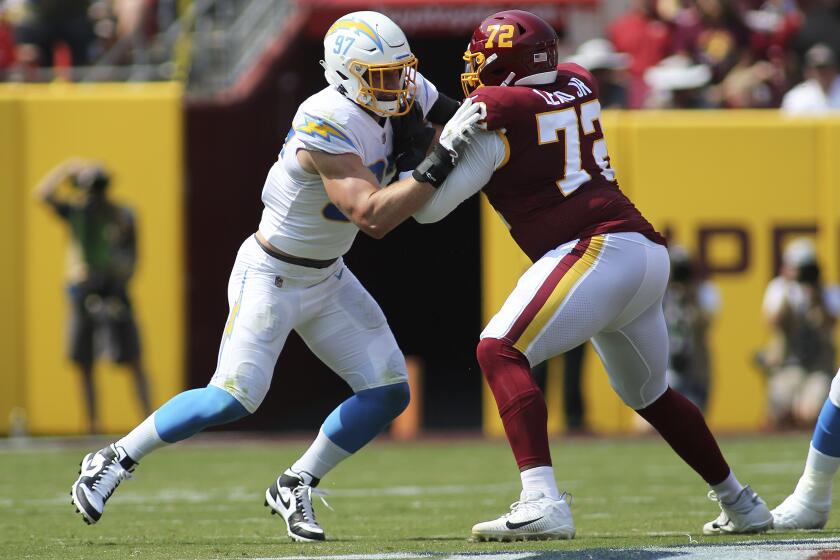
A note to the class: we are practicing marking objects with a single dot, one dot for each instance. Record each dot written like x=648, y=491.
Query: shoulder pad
x=500, y=103
x=324, y=130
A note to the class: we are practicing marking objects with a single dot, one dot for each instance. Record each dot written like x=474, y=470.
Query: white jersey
x=299, y=218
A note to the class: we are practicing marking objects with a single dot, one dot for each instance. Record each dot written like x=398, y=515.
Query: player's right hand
x=462, y=126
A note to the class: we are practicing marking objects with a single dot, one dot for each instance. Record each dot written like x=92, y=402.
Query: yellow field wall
x=136, y=130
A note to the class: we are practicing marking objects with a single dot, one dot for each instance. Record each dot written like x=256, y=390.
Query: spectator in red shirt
x=7, y=43
x=647, y=38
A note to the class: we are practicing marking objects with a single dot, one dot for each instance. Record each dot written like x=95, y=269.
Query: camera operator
x=689, y=305
x=799, y=360
x=101, y=259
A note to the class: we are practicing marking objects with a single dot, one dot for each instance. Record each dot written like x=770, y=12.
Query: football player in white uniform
x=326, y=185
x=810, y=503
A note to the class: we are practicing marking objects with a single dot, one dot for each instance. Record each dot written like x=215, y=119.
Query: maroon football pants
x=524, y=415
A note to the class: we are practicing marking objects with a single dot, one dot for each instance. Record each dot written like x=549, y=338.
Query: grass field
x=204, y=499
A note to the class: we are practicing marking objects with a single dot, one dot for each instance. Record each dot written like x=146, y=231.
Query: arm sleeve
x=443, y=110
x=486, y=153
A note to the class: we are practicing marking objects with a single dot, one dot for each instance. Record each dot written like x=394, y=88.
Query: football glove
x=455, y=136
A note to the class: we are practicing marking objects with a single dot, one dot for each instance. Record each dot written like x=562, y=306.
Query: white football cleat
x=534, y=517
x=291, y=497
x=794, y=513
x=99, y=475
x=747, y=514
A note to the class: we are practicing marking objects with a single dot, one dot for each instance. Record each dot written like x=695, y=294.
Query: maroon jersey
x=557, y=184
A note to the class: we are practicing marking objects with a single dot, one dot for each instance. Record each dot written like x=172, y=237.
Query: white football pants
x=330, y=310
x=607, y=288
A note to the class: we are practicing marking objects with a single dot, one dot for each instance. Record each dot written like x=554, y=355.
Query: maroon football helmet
x=510, y=42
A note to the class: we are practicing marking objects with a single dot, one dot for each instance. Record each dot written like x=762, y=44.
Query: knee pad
x=393, y=398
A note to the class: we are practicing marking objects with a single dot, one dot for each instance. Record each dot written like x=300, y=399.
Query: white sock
x=814, y=486
x=321, y=457
x=821, y=462
x=540, y=479
x=142, y=440
x=728, y=490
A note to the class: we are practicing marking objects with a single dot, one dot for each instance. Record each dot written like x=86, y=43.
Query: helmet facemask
x=470, y=79
x=380, y=92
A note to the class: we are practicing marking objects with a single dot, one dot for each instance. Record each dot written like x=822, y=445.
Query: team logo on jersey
x=313, y=126
x=359, y=28
x=278, y=281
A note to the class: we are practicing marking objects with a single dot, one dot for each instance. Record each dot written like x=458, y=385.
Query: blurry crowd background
x=697, y=54
x=38, y=34
x=690, y=54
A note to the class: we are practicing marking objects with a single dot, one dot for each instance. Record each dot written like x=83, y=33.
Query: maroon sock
x=520, y=401
x=682, y=425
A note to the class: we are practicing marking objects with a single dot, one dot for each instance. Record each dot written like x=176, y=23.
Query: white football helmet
x=366, y=55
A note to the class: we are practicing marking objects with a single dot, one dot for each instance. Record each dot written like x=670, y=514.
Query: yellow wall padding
x=136, y=131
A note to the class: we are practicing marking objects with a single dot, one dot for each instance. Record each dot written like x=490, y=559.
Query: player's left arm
x=355, y=191
x=47, y=187
x=487, y=152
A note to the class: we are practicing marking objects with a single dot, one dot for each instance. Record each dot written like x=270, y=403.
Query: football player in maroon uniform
x=599, y=273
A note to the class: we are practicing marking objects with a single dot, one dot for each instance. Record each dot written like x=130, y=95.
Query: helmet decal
x=360, y=28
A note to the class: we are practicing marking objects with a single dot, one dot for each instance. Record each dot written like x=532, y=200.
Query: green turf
x=205, y=499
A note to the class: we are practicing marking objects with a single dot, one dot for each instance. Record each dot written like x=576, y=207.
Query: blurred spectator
x=100, y=262
x=607, y=66
x=690, y=304
x=7, y=40
x=116, y=20
x=773, y=24
x=47, y=23
x=821, y=25
x=820, y=91
x=677, y=83
x=751, y=84
x=712, y=32
x=799, y=360
x=134, y=17
x=647, y=38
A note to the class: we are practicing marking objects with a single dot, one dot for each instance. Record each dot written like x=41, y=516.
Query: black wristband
x=442, y=110
x=435, y=168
